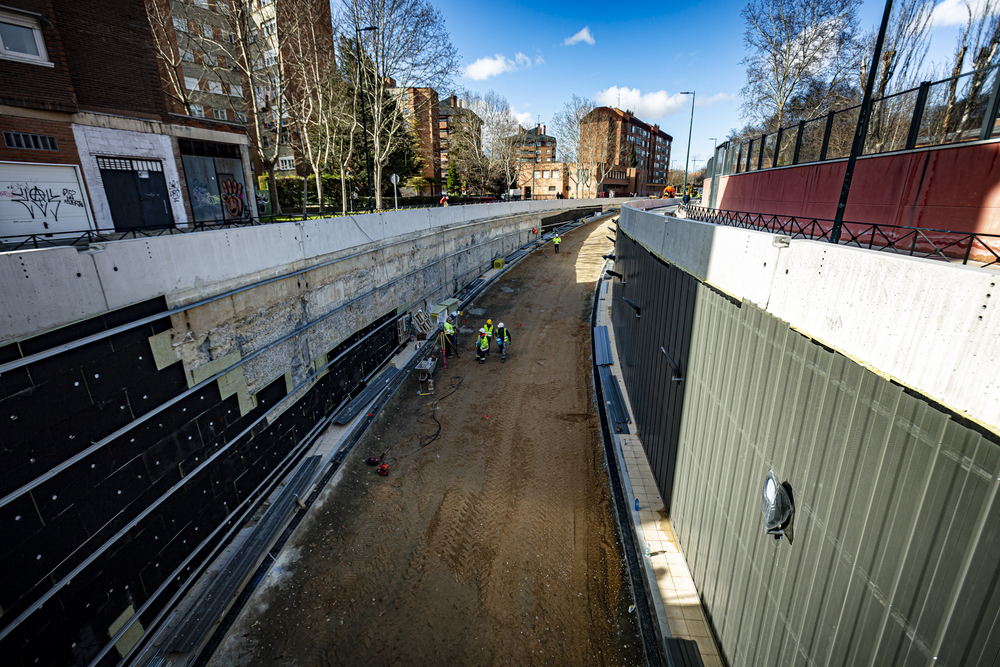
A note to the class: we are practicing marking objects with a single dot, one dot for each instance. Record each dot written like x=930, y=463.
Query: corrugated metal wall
x=896, y=536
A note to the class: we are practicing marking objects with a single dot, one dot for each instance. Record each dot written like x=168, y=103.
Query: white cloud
x=524, y=119
x=714, y=99
x=955, y=12
x=539, y=60
x=582, y=36
x=651, y=106
x=484, y=68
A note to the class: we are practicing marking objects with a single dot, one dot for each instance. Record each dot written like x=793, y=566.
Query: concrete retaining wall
x=929, y=325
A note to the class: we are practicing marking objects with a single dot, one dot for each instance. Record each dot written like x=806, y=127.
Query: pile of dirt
x=491, y=542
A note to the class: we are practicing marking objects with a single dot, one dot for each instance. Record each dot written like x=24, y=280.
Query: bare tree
x=310, y=94
x=409, y=47
x=485, y=141
x=172, y=52
x=586, y=138
x=980, y=37
x=790, y=43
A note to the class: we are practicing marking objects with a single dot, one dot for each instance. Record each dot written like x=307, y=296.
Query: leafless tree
x=978, y=46
x=791, y=43
x=485, y=141
x=586, y=139
x=310, y=94
x=409, y=47
x=172, y=52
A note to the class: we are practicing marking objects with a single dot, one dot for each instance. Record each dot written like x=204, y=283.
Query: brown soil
x=491, y=544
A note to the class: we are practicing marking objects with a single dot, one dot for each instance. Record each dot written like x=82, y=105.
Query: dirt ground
x=489, y=544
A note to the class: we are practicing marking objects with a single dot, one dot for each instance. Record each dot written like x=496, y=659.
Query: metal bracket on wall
x=677, y=377
x=610, y=239
x=615, y=274
x=638, y=310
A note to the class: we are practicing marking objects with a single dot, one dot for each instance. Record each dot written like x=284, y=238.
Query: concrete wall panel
x=930, y=325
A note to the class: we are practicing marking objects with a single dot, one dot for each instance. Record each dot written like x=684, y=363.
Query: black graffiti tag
x=33, y=198
x=69, y=198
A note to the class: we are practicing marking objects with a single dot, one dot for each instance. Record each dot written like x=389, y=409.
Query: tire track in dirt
x=493, y=544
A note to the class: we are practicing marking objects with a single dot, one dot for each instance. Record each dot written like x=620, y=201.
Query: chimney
x=454, y=101
x=544, y=131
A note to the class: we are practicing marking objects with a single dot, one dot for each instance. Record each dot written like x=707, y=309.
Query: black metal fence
x=942, y=244
x=950, y=111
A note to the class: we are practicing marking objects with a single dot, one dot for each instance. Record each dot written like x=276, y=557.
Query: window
x=220, y=114
x=201, y=3
x=235, y=90
x=207, y=31
x=555, y=173
x=538, y=174
x=545, y=174
x=269, y=27
x=241, y=116
x=552, y=188
x=548, y=159
x=286, y=163
x=270, y=57
x=37, y=142
x=190, y=82
x=187, y=54
x=180, y=24
x=197, y=111
x=21, y=39
x=215, y=87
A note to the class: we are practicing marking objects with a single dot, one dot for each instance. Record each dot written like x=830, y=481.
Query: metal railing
x=14, y=242
x=950, y=111
x=941, y=244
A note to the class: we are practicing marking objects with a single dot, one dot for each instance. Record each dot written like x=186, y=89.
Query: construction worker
x=451, y=344
x=482, y=346
x=556, y=241
x=489, y=334
x=503, y=340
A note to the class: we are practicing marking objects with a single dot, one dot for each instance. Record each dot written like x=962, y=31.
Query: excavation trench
x=491, y=542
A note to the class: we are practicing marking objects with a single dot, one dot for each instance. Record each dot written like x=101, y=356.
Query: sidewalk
x=675, y=602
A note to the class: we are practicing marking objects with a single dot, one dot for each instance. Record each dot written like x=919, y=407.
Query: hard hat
x=481, y=330
x=500, y=326
x=489, y=321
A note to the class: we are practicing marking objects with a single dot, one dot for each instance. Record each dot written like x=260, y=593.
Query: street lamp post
x=364, y=116
x=690, y=127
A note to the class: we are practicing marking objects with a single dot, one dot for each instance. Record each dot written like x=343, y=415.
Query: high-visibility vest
x=504, y=337
x=484, y=342
x=489, y=331
x=449, y=328
x=557, y=240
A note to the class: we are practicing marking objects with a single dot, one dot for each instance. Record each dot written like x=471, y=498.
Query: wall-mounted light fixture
x=638, y=310
x=615, y=274
x=676, y=370
x=777, y=507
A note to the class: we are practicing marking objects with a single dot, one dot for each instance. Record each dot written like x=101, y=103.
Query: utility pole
x=864, y=114
x=687, y=157
x=364, y=117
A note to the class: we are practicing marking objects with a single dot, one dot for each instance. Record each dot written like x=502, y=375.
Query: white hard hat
x=482, y=330
x=500, y=326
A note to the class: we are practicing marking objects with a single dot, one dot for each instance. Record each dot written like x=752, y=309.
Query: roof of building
x=629, y=117
x=535, y=134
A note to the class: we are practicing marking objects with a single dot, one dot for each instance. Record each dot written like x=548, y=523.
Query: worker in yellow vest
x=503, y=341
x=451, y=342
x=482, y=346
x=489, y=334
x=556, y=241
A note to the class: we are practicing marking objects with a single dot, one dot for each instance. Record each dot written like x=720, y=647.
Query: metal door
x=137, y=193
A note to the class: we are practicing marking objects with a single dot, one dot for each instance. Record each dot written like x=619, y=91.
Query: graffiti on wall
x=174, y=190
x=40, y=202
x=263, y=202
x=232, y=200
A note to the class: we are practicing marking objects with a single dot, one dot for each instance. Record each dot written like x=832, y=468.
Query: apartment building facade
x=634, y=156
x=535, y=145
x=90, y=144
x=544, y=180
x=421, y=106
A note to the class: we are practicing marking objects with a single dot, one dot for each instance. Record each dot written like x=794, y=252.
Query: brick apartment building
x=634, y=155
x=535, y=145
x=544, y=180
x=422, y=108
x=88, y=139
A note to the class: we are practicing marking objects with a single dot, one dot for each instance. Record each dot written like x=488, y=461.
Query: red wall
x=952, y=188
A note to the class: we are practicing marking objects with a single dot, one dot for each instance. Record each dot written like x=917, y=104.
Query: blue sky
x=644, y=53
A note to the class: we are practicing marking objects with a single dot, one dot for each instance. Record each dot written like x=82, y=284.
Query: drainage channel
x=647, y=627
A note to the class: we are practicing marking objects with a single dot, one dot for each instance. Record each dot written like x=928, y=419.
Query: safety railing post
x=760, y=157
x=798, y=141
x=826, y=136
x=777, y=147
x=918, y=115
